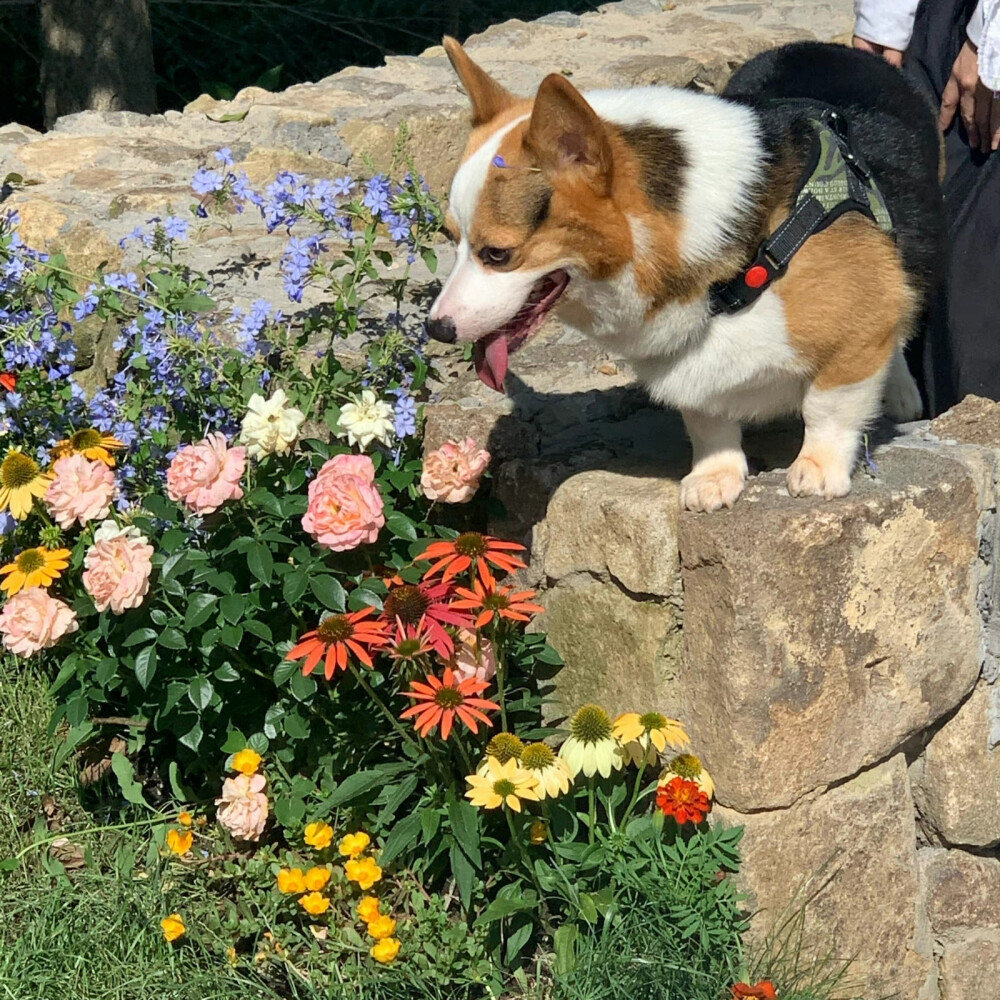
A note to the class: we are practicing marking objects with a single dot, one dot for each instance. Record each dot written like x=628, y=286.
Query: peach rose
x=81, y=491
x=117, y=568
x=345, y=506
x=242, y=808
x=34, y=620
x=474, y=659
x=207, y=474
x=452, y=472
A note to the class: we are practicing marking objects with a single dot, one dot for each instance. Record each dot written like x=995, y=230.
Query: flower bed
x=235, y=559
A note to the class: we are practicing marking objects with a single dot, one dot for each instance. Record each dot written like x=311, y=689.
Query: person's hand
x=892, y=56
x=978, y=108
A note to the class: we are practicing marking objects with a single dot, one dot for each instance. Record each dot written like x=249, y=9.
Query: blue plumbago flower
x=224, y=155
x=7, y=523
x=175, y=229
x=405, y=409
x=135, y=234
x=206, y=181
x=122, y=281
x=343, y=186
x=155, y=318
x=376, y=197
x=297, y=261
x=243, y=191
x=399, y=228
x=87, y=304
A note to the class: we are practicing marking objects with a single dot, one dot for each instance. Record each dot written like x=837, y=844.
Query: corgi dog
x=629, y=212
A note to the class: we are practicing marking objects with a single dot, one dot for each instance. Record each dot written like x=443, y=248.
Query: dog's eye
x=495, y=256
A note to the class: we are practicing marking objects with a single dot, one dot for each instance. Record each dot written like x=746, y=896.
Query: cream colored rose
x=270, y=426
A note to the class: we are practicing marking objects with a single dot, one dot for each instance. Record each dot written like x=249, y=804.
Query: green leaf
x=232, y=606
x=258, y=742
x=564, y=943
x=588, y=908
x=145, y=666
x=192, y=738
x=430, y=259
x=259, y=629
x=398, y=796
x=231, y=636
x=356, y=785
x=465, y=874
x=194, y=302
x=200, y=692
x=303, y=686
x=171, y=638
x=296, y=727
x=140, y=636
x=235, y=742
x=519, y=932
x=284, y=670
x=199, y=609
x=504, y=907
x=260, y=561
x=271, y=79
x=403, y=835
x=401, y=526
x=465, y=828
x=294, y=586
x=329, y=592
x=125, y=773
x=548, y=655
x=232, y=116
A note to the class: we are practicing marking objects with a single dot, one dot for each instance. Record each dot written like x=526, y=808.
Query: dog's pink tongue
x=490, y=357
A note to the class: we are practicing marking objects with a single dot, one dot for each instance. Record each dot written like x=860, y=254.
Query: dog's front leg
x=835, y=419
x=719, y=468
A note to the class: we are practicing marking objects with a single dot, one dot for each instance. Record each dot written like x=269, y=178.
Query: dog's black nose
x=442, y=329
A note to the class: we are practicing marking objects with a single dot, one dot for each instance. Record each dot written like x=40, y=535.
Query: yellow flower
x=21, y=480
x=292, y=880
x=502, y=783
x=314, y=903
x=591, y=746
x=382, y=927
x=354, y=844
x=385, y=951
x=365, y=872
x=173, y=927
x=246, y=761
x=645, y=737
x=687, y=766
x=34, y=568
x=90, y=443
x=368, y=909
x=316, y=878
x=553, y=773
x=319, y=835
x=179, y=843
x=231, y=956
x=185, y=818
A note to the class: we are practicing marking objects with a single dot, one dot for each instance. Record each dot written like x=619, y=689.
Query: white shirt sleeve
x=886, y=22
x=984, y=31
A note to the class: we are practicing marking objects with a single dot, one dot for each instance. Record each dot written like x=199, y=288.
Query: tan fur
x=847, y=303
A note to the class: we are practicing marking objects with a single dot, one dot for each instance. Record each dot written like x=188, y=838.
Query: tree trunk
x=96, y=55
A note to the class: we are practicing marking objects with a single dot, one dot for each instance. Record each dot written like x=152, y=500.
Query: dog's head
x=531, y=210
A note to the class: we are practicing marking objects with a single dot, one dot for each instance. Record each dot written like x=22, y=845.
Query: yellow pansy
x=382, y=927
x=365, y=872
x=385, y=951
x=314, y=903
x=316, y=878
x=291, y=880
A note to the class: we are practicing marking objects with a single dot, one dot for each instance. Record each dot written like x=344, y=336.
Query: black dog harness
x=836, y=180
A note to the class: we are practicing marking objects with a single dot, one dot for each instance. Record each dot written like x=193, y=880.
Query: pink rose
x=345, y=507
x=34, y=620
x=474, y=658
x=207, y=474
x=242, y=808
x=81, y=491
x=452, y=472
x=117, y=568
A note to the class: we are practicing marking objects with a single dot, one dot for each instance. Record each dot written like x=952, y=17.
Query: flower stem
x=635, y=793
x=383, y=708
x=501, y=672
x=466, y=760
x=592, y=809
x=523, y=851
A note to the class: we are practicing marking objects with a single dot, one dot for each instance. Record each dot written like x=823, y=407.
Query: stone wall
x=835, y=661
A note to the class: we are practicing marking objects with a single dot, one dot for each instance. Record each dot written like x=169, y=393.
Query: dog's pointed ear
x=488, y=97
x=565, y=133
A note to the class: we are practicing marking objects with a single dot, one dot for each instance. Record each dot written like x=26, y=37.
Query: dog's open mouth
x=490, y=352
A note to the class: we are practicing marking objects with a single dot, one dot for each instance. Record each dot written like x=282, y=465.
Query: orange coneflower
x=91, y=443
x=471, y=548
x=440, y=700
x=411, y=643
x=411, y=602
x=493, y=601
x=337, y=638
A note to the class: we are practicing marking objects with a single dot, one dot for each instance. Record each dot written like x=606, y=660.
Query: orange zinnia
x=764, y=990
x=683, y=800
x=458, y=554
x=439, y=701
x=338, y=637
x=493, y=601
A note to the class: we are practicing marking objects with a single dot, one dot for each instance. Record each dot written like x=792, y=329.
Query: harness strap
x=836, y=180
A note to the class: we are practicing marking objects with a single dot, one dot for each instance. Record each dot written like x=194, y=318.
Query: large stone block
x=962, y=889
x=957, y=781
x=970, y=967
x=820, y=637
x=850, y=857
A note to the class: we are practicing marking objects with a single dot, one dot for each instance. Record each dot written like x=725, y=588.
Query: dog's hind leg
x=719, y=468
x=901, y=401
x=835, y=420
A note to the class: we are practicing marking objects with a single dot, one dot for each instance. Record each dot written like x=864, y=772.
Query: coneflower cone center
x=449, y=697
x=504, y=787
x=687, y=766
x=30, y=560
x=591, y=724
x=17, y=470
x=471, y=544
x=651, y=721
x=336, y=628
x=86, y=438
x=505, y=747
x=537, y=757
x=407, y=603
x=408, y=648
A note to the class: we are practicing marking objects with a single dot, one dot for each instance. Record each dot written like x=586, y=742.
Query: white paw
x=809, y=477
x=708, y=491
x=901, y=401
